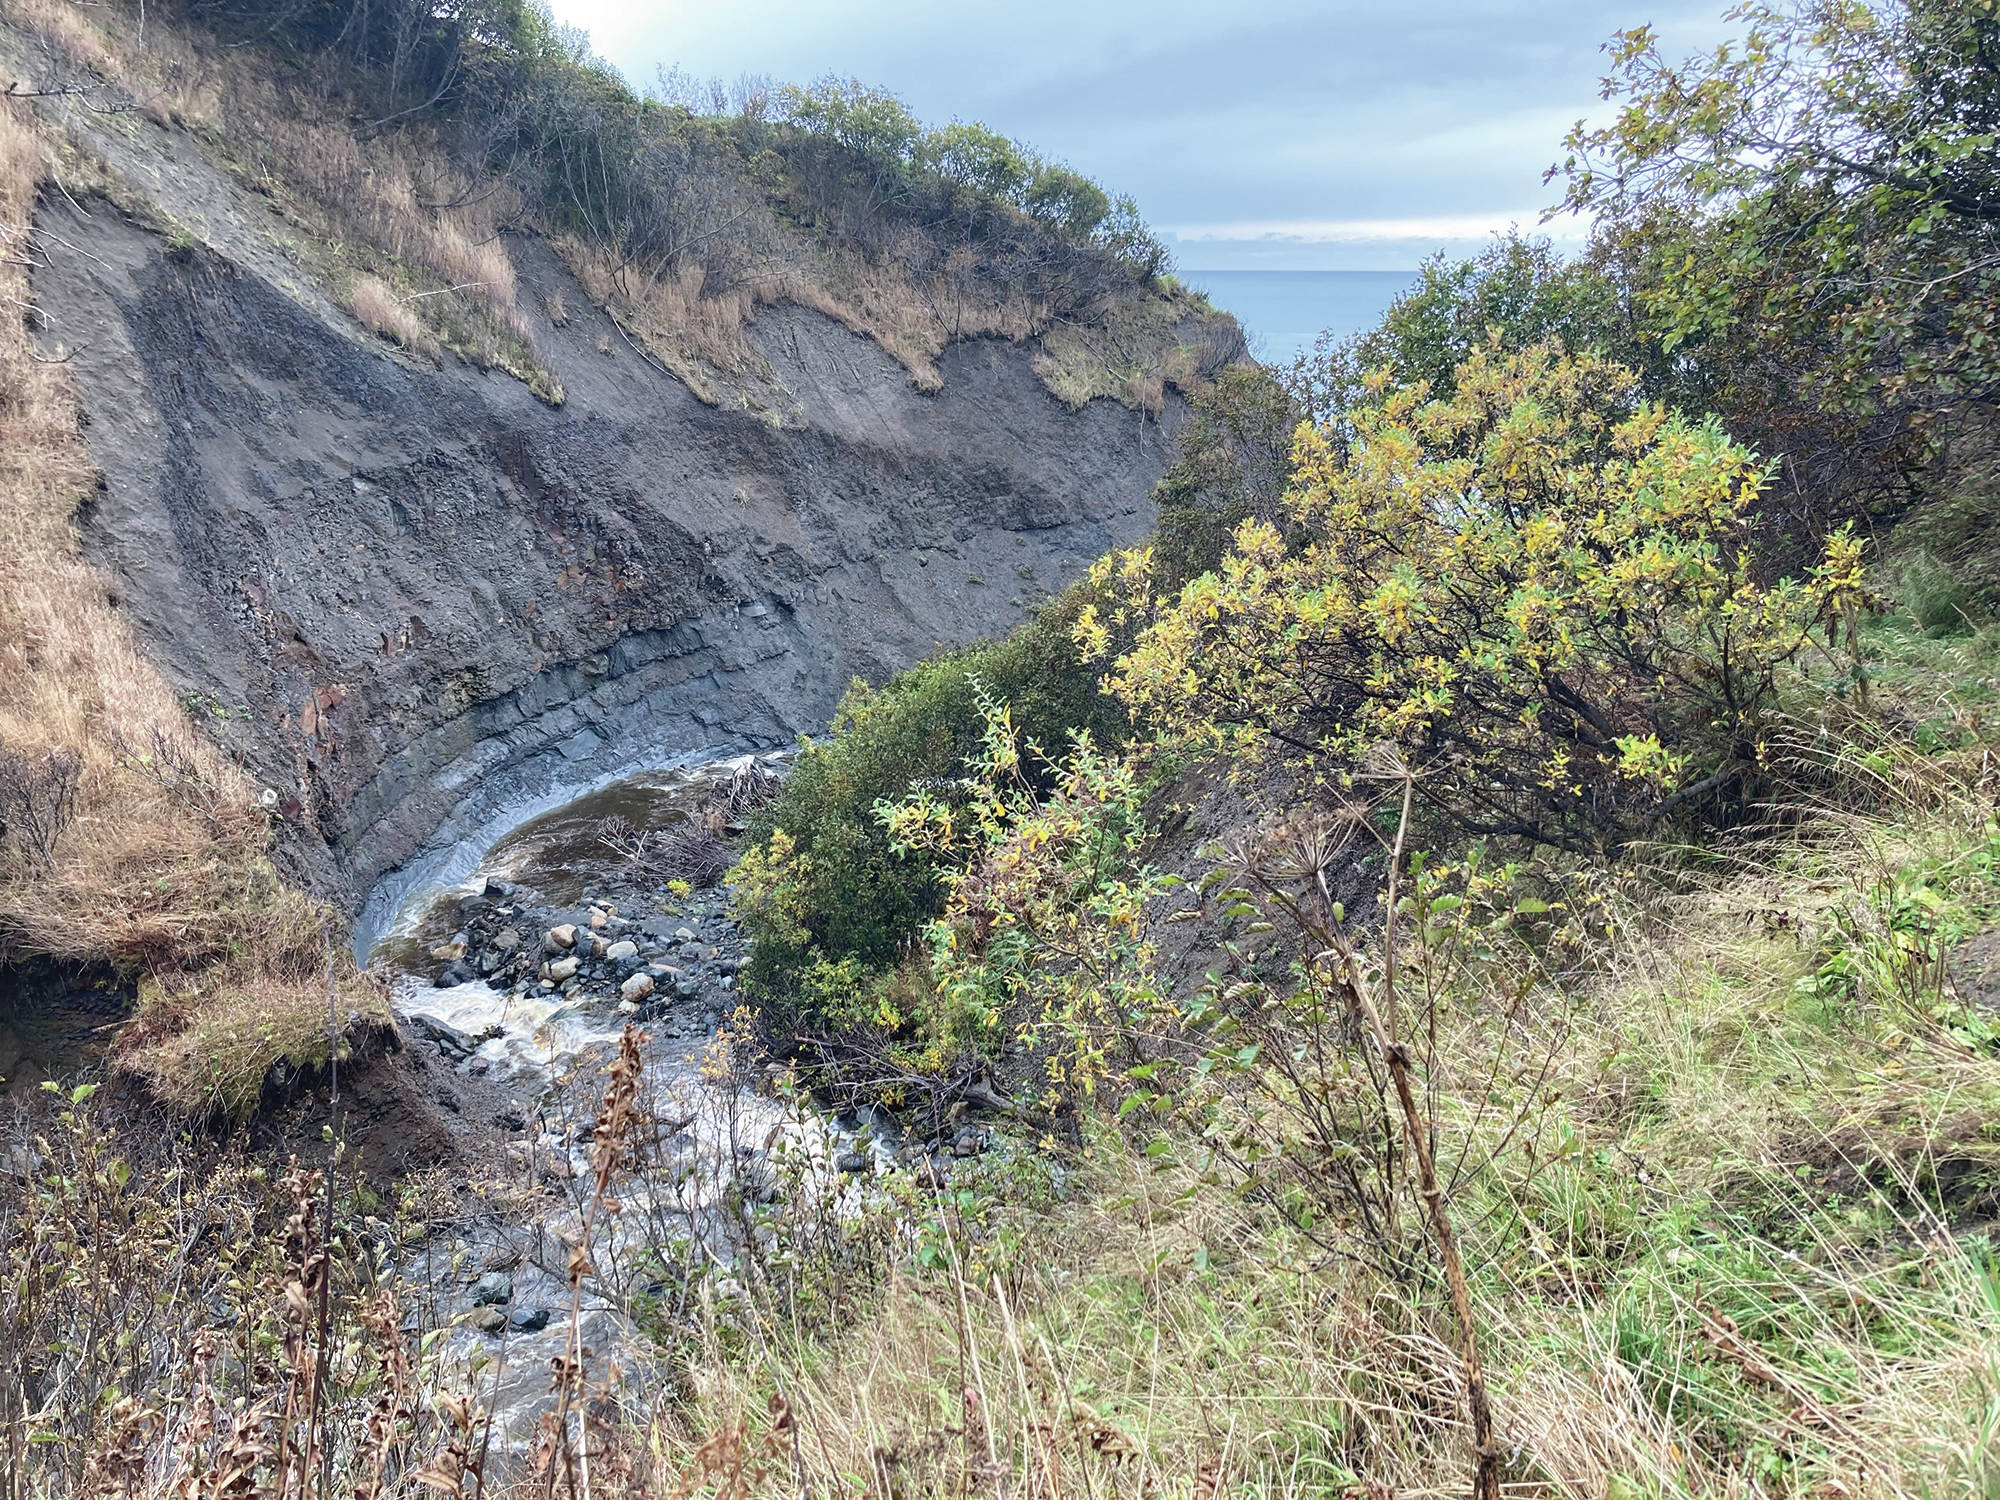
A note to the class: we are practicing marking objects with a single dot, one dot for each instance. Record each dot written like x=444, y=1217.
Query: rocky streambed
x=513, y=988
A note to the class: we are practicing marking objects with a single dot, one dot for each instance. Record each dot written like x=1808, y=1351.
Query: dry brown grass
x=370, y=191
x=915, y=318
x=703, y=337
x=384, y=207
x=380, y=310
x=1133, y=350
x=700, y=338
x=173, y=887
x=66, y=28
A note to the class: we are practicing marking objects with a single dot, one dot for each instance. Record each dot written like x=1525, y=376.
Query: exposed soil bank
x=413, y=599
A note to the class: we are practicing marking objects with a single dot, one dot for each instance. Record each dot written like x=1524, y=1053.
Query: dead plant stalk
x=1396, y=1055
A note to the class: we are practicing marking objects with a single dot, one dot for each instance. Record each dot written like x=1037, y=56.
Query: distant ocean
x=1283, y=312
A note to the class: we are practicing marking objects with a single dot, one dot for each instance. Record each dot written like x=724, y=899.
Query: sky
x=1272, y=134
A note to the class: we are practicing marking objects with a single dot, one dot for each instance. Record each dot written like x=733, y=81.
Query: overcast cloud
x=1257, y=133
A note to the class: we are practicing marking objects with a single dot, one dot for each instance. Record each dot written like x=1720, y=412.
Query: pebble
x=623, y=948
x=561, y=969
x=635, y=989
x=563, y=936
x=598, y=916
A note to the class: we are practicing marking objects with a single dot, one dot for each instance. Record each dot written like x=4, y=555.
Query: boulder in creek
x=637, y=988
x=492, y=1289
x=560, y=937
x=561, y=969
x=448, y=1039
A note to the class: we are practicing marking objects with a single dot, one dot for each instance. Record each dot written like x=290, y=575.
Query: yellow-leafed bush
x=1541, y=590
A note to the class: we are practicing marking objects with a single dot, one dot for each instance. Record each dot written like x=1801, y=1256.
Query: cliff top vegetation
x=407, y=141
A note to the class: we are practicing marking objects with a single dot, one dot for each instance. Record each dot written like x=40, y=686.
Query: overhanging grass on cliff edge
x=400, y=143
x=158, y=864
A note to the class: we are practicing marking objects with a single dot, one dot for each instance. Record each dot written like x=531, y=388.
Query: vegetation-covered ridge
x=407, y=141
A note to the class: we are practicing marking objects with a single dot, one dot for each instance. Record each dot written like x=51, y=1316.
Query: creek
x=514, y=977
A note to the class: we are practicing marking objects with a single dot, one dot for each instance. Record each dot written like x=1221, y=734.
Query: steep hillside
x=400, y=589
x=407, y=572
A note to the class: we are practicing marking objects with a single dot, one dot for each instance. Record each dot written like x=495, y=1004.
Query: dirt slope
x=409, y=596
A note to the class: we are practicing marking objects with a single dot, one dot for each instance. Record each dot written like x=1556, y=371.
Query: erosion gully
x=517, y=966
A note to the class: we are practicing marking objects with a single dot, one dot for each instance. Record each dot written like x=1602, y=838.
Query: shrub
x=820, y=885
x=1042, y=939
x=38, y=800
x=1540, y=590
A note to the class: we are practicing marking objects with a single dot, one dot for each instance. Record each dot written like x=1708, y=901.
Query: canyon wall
x=412, y=597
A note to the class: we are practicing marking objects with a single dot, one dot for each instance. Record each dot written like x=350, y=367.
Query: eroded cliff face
x=410, y=598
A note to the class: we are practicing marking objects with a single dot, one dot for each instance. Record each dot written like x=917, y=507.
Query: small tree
x=1812, y=210
x=1540, y=590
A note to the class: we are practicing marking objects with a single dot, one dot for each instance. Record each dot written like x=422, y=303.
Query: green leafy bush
x=829, y=903
x=1043, y=937
x=1807, y=215
x=1540, y=593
